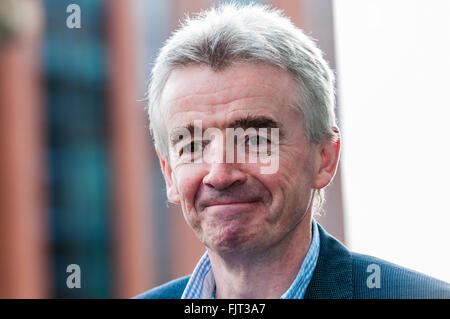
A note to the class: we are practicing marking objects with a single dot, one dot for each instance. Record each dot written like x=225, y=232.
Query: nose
x=224, y=175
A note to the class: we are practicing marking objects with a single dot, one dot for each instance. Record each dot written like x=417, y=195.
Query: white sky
x=393, y=67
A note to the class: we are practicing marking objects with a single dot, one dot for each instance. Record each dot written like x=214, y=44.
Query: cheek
x=293, y=180
x=189, y=178
x=297, y=165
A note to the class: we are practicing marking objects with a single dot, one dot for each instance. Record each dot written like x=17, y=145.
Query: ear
x=327, y=160
x=172, y=192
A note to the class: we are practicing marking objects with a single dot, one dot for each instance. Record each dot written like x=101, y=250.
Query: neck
x=265, y=274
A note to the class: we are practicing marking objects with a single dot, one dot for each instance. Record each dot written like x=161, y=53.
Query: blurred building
x=75, y=73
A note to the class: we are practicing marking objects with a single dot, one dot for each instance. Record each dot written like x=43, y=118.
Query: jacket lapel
x=332, y=278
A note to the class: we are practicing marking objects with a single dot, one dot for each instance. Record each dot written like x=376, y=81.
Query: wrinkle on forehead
x=187, y=83
x=198, y=92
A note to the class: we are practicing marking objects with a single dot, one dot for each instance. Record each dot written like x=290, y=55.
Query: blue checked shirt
x=202, y=285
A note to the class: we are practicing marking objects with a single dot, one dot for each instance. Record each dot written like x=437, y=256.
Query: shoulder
x=341, y=273
x=170, y=290
x=377, y=278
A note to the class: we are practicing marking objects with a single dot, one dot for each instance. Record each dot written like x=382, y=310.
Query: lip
x=231, y=203
x=231, y=210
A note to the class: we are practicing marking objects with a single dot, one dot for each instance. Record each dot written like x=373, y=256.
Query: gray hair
x=232, y=33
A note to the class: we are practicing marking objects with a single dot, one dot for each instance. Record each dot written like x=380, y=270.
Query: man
x=245, y=81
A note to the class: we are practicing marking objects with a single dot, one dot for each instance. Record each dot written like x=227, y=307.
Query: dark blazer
x=341, y=274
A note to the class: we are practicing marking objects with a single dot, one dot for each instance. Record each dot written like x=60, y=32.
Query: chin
x=232, y=238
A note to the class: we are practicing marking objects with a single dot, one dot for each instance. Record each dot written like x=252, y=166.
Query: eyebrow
x=255, y=122
x=248, y=121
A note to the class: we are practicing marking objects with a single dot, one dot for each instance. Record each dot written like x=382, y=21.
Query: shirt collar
x=201, y=284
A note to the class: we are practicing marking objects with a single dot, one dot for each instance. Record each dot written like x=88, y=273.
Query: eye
x=192, y=147
x=256, y=140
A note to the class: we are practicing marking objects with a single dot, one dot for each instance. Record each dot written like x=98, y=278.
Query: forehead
x=200, y=93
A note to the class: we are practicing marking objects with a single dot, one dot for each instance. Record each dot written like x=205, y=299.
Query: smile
x=228, y=204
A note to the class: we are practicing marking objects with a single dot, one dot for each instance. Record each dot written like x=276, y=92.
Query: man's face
x=234, y=207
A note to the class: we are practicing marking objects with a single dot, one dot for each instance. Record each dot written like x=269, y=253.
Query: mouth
x=232, y=203
x=232, y=210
